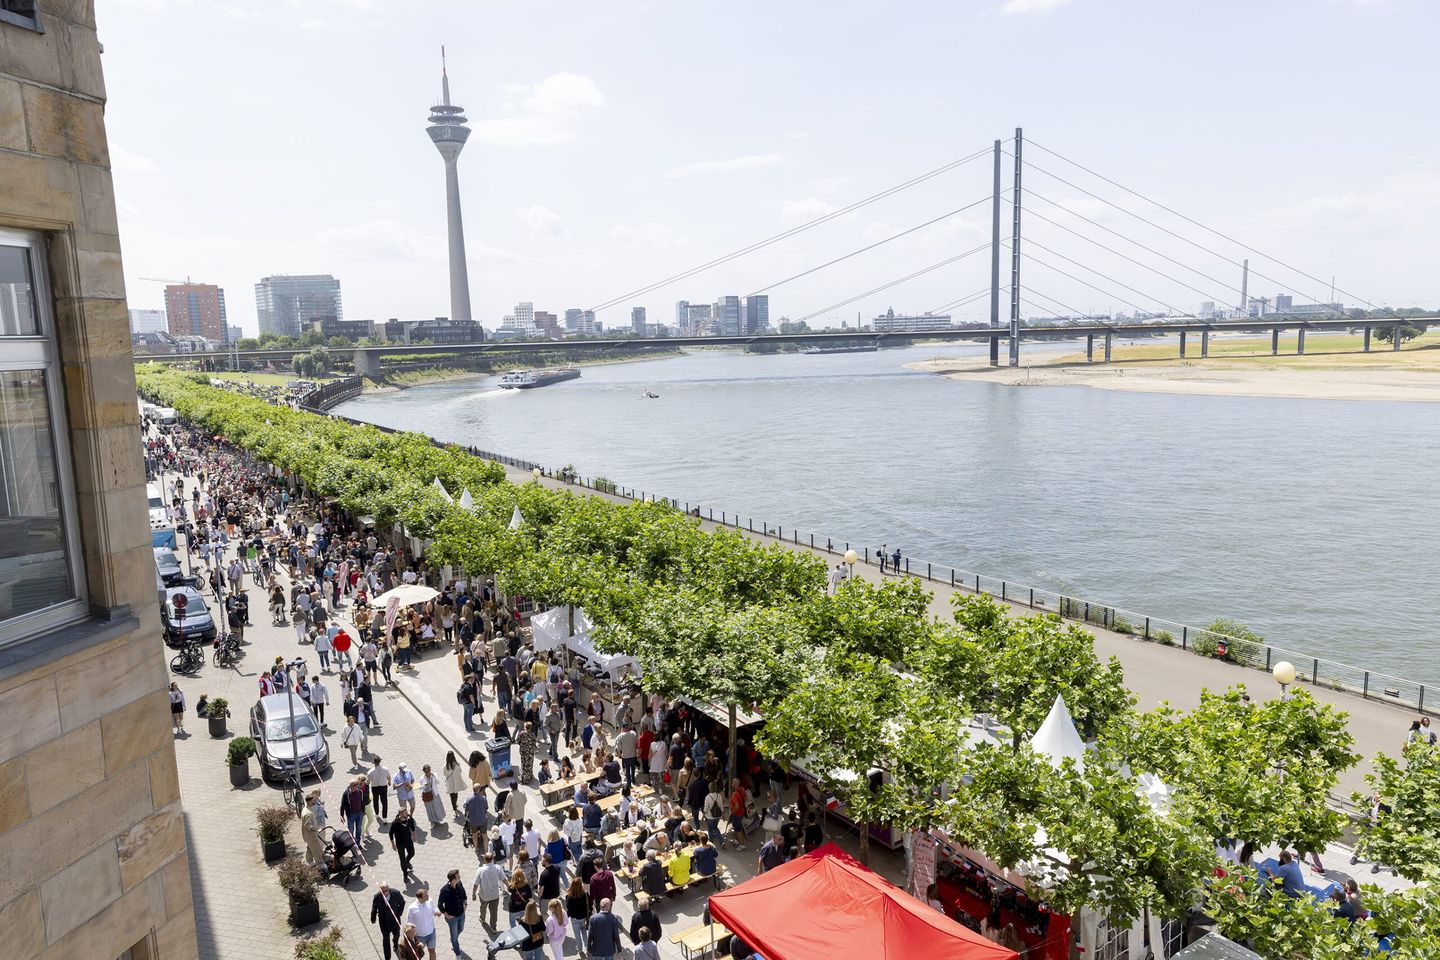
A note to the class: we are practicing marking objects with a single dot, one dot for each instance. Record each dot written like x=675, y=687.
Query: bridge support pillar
x=1109, y=341
x=1275, y=342
x=1395, y=337
x=1300, y=342
x=367, y=364
x=994, y=351
x=1182, y=344
x=1204, y=343
x=1367, y=339
x=1090, y=348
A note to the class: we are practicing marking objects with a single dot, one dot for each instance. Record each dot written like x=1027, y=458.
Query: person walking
x=402, y=838
x=527, y=743
x=881, y=555
x=310, y=832
x=404, y=784
x=421, y=915
x=430, y=796
x=454, y=781
x=533, y=946
x=644, y=917
x=555, y=924
x=353, y=739
x=603, y=936
x=895, y=560
x=517, y=896
x=353, y=804
x=379, y=779
x=386, y=909
x=451, y=904
x=177, y=709
x=319, y=697
x=488, y=887
x=577, y=908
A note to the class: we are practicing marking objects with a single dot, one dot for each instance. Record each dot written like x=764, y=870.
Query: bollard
x=1147, y=628
x=1365, y=691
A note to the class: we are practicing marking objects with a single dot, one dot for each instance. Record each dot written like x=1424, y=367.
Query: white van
x=166, y=415
x=159, y=513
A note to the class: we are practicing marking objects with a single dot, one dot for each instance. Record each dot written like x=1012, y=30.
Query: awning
x=408, y=594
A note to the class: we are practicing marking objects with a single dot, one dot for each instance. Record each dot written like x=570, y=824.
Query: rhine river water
x=1312, y=521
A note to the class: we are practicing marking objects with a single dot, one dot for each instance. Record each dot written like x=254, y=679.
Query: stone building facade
x=93, y=862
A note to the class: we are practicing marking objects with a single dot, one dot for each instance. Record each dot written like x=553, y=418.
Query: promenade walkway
x=1155, y=673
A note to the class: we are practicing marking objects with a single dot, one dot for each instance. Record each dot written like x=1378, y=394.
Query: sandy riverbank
x=1215, y=378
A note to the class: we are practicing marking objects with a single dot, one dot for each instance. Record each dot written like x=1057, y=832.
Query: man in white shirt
x=531, y=839
x=422, y=915
x=488, y=885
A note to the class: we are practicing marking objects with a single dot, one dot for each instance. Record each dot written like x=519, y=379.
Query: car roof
x=278, y=705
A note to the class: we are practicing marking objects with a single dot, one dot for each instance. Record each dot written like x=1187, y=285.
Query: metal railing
x=1316, y=671
x=327, y=395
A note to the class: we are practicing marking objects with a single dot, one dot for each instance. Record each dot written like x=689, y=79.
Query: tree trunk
x=732, y=742
x=864, y=843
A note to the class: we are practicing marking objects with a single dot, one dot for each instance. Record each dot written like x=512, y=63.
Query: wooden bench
x=560, y=808
x=696, y=879
x=697, y=941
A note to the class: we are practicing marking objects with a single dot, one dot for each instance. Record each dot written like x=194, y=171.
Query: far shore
x=1220, y=377
x=421, y=378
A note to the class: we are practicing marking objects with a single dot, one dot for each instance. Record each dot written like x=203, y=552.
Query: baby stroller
x=340, y=858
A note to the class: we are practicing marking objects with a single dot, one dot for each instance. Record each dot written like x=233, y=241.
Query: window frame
x=30, y=21
x=42, y=352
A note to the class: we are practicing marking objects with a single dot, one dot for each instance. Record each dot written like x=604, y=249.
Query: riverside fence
x=1317, y=671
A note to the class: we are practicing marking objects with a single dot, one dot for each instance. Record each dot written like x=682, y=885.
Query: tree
x=1407, y=838
x=1253, y=773
x=312, y=338
x=887, y=622
x=267, y=338
x=1014, y=667
x=1408, y=331
x=247, y=343
x=339, y=343
x=1253, y=910
x=316, y=363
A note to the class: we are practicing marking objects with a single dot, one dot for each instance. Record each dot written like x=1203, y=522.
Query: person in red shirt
x=342, y=644
x=738, y=805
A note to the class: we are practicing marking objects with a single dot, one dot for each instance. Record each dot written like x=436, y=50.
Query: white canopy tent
x=407, y=593
x=551, y=630
x=466, y=502
x=516, y=518
x=1057, y=739
x=443, y=492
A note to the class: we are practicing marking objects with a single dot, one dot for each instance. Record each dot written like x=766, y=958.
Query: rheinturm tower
x=448, y=131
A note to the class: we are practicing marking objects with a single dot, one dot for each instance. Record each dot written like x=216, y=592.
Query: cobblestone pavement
x=241, y=912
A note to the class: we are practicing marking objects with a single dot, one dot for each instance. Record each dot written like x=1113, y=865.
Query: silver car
x=271, y=724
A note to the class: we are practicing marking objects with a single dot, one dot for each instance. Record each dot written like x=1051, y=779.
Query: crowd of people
x=667, y=764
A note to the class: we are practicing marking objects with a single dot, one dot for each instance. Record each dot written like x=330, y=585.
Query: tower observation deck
x=448, y=130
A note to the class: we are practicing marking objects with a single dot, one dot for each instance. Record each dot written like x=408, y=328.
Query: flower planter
x=240, y=774
x=273, y=849
x=304, y=911
x=217, y=726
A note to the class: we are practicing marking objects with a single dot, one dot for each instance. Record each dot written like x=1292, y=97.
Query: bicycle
x=188, y=660
x=227, y=650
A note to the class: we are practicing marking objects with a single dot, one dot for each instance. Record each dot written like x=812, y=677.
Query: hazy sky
x=616, y=143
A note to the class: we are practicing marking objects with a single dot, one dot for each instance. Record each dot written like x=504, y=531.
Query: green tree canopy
x=1407, y=838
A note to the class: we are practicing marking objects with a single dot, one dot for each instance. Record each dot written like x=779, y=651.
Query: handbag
x=771, y=824
x=426, y=796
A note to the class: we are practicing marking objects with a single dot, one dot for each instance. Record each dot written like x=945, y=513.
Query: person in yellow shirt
x=680, y=867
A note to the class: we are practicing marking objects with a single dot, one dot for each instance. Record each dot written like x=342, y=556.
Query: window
x=22, y=13
x=41, y=585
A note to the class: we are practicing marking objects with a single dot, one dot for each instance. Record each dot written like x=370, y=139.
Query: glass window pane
x=17, y=305
x=34, y=573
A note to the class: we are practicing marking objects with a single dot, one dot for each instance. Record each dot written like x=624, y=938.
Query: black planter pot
x=217, y=726
x=240, y=773
x=304, y=912
x=273, y=849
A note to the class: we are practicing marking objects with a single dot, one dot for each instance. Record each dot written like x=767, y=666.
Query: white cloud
x=542, y=113
x=751, y=162
x=538, y=221
x=124, y=161
x=1031, y=6
x=644, y=235
x=378, y=240
x=802, y=211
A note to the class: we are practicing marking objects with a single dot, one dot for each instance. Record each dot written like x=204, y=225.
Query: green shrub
x=298, y=878
x=240, y=750
x=272, y=822
x=1163, y=636
x=217, y=707
x=326, y=946
x=1235, y=629
x=603, y=484
x=1121, y=625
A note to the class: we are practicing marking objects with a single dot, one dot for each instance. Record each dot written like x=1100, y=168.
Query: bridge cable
x=830, y=263
x=824, y=218
x=893, y=283
x=963, y=301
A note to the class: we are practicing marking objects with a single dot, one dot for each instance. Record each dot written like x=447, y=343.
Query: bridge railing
x=1316, y=671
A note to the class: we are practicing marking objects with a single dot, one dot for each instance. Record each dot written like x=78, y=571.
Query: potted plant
x=217, y=710
x=301, y=881
x=272, y=823
x=238, y=756
x=326, y=946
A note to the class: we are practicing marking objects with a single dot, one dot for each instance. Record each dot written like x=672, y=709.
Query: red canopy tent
x=826, y=905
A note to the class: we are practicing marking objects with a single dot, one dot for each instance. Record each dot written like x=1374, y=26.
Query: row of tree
x=867, y=679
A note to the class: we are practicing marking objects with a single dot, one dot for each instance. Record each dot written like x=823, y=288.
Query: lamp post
x=1284, y=674
x=850, y=558
x=536, y=474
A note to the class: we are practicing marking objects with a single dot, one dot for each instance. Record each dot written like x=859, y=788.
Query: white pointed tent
x=516, y=519
x=443, y=492
x=1057, y=738
x=466, y=502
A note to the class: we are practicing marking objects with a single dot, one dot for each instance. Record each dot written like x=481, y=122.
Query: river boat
x=530, y=379
x=650, y=395
x=858, y=348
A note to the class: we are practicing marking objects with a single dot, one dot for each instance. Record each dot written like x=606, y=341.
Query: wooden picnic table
x=700, y=939
x=555, y=789
x=637, y=793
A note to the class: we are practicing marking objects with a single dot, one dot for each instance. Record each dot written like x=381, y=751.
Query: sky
x=616, y=144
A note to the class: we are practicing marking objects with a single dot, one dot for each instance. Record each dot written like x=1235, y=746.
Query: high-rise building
x=448, y=131
x=548, y=325
x=287, y=305
x=891, y=322
x=728, y=316
x=682, y=315
x=196, y=310
x=757, y=314
x=574, y=317
x=1283, y=302
x=637, y=321
x=235, y=333
x=93, y=860
x=148, y=321
x=525, y=316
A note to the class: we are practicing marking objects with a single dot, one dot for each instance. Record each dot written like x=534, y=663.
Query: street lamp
x=1284, y=674
x=536, y=474
x=850, y=557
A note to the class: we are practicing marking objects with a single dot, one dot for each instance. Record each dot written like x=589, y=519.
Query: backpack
x=460, y=694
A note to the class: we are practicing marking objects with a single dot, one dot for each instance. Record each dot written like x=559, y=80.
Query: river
x=1309, y=520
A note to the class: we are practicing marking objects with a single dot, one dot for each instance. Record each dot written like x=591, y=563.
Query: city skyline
x=580, y=195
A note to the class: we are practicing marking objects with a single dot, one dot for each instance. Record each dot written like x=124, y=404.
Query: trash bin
x=499, y=753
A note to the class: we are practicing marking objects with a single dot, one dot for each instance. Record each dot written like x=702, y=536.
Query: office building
x=448, y=131
x=93, y=864
x=548, y=325
x=1316, y=310
x=696, y=321
x=353, y=330
x=444, y=330
x=286, y=305
x=757, y=314
x=146, y=321
x=1207, y=309
x=637, y=321
x=235, y=333
x=891, y=322
x=525, y=317
x=728, y=316
x=1283, y=302
x=196, y=310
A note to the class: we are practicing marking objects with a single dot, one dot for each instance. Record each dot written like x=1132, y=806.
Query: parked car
x=271, y=720
x=167, y=567
x=159, y=513
x=197, y=623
